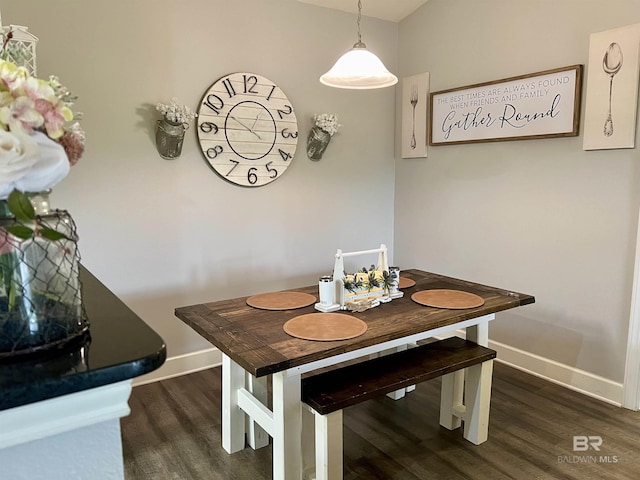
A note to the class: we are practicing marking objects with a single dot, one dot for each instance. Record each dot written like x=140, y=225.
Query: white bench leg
x=256, y=436
x=328, y=440
x=478, y=398
x=451, y=398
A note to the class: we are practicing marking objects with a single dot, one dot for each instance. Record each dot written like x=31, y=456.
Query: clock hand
x=245, y=127
x=254, y=125
x=255, y=121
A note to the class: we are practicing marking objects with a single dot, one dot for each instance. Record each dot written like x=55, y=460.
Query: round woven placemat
x=453, y=299
x=281, y=300
x=325, y=327
x=406, y=282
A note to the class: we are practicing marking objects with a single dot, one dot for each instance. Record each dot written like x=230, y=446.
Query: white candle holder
x=20, y=48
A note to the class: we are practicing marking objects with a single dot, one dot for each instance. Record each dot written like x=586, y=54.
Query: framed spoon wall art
x=612, y=89
x=415, y=98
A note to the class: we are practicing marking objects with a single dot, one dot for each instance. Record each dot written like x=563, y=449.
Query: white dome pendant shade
x=359, y=68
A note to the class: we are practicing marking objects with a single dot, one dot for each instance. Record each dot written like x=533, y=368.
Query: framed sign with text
x=538, y=105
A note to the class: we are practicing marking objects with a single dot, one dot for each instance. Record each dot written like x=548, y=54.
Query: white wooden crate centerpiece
x=358, y=291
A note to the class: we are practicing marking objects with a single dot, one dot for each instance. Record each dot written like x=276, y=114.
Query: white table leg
x=287, y=418
x=397, y=394
x=233, y=418
x=411, y=388
x=478, y=390
x=478, y=399
x=256, y=436
x=479, y=333
x=451, y=398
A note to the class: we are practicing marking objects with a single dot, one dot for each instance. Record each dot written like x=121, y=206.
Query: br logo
x=582, y=443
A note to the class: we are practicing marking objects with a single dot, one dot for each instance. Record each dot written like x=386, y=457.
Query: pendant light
x=359, y=68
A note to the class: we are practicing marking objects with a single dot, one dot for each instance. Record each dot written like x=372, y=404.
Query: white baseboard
x=578, y=380
x=182, y=365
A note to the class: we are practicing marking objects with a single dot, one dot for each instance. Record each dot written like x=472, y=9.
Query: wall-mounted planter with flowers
x=325, y=126
x=170, y=130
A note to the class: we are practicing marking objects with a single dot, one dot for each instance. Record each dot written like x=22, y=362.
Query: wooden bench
x=327, y=394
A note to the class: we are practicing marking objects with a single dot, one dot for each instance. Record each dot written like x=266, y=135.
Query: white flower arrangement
x=327, y=122
x=174, y=112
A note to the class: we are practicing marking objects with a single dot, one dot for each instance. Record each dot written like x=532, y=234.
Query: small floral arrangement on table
x=325, y=126
x=367, y=288
x=368, y=279
x=175, y=112
x=39, y=141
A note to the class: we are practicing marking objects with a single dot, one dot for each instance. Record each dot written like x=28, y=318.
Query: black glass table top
x=119, y=346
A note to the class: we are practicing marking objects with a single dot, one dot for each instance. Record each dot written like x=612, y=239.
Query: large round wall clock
x=247, y=129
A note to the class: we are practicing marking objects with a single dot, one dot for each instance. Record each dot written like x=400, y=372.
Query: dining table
x=255, y=347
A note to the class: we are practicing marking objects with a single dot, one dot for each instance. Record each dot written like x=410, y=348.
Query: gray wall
x=163, y=234
x=537, y=216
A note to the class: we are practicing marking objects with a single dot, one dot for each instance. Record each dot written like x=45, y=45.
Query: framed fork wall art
x=415, y=98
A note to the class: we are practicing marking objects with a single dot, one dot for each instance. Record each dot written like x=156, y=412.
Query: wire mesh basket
x=40, y=291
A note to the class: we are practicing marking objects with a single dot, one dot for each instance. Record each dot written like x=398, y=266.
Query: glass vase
x=169, y=138
x=40, y=292
x=317, y=143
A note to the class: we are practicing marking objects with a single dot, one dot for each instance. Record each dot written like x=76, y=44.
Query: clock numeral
x=236, y=162
x=285, y=156
x=208, y=127
x=286, y=111
x=286, y=134
x=214, y=151
x=229, y=87
x=250, y=82
x=271, y=92
x=214, y=102
x=273, y=173
x=252, y=178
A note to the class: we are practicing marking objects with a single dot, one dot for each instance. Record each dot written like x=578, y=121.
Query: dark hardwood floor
x=173, y=433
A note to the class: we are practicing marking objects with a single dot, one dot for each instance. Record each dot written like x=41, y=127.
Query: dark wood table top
x=255, y=338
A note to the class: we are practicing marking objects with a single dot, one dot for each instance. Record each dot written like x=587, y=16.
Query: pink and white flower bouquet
x=39, y=140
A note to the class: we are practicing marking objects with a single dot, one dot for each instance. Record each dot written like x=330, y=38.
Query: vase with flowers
x=325, y=126
x=40, y=292
x=170, y=130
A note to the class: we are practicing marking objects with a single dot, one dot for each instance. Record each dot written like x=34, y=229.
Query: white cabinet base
x=73, y=437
